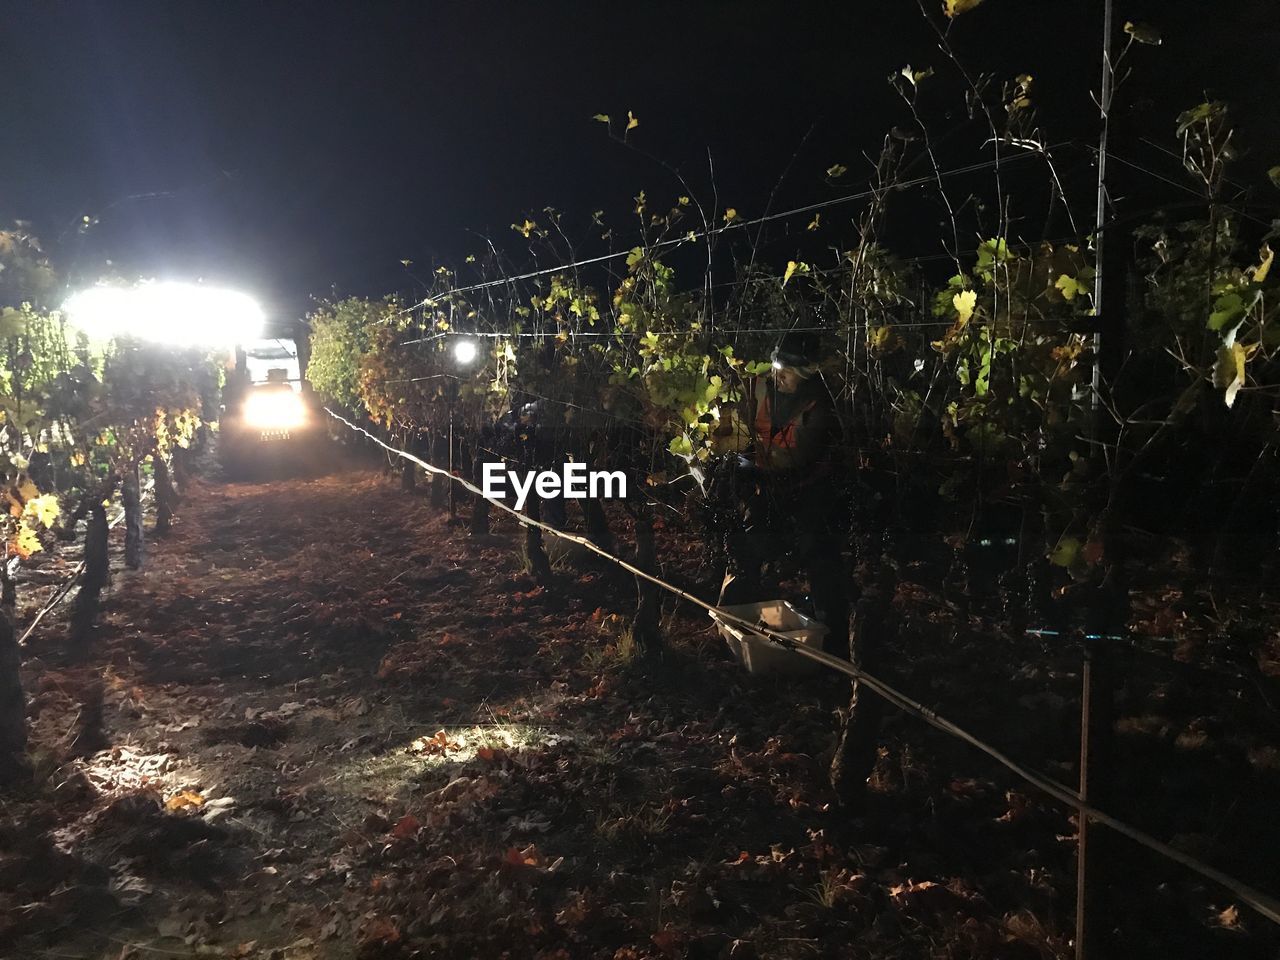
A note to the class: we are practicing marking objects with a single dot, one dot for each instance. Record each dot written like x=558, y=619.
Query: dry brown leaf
x=184, y=799
x=406, y=827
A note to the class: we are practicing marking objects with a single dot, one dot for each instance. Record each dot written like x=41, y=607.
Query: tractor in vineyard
x=270, y=420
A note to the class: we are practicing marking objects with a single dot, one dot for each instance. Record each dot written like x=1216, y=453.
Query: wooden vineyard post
x=597, y=523
x=646, y=629
x=135, y=542
x=1083, y=826
x=408, y=470
x=479, y=505
x=439, y=484
x=535, y=553
x=165, y=494
x=181, y=469
x=85, y=609
x=9, y=591
x=13, y=706
x=856, y=751
x=453, y=510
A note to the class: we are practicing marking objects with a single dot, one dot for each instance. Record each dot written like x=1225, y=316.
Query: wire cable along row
x=1265, y=904
x=734, y=225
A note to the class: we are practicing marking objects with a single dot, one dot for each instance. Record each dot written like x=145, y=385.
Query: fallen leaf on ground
x=184, y=799
x=406, y=827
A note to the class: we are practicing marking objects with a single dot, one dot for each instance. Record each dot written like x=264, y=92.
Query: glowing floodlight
x=464, y=351
x=178, y=314
x=275, y=410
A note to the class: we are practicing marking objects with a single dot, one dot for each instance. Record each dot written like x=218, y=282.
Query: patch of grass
x=635, y=823
x=621, y=653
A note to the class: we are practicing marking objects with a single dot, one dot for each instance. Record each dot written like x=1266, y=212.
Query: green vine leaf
x=1228, y=311
x=1065, y=553
x=1070, y=287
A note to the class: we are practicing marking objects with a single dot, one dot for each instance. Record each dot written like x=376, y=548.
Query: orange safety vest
x=784, y=438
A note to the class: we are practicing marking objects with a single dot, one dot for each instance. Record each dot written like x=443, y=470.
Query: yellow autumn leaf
x=632, y=122
x=815, y=222
x=953, y=8
x=602, y=117
x=880, y=339
x=965, y=302
x=1266, y=254
x=43, y=510
x=1228, y=371
x=25, y=542
x=184, y=799
x=793, y=267
x=730, y=214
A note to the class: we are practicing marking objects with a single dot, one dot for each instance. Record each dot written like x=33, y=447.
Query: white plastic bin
x=761, y=655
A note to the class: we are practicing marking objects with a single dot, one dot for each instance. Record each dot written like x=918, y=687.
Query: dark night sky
x=295, y=146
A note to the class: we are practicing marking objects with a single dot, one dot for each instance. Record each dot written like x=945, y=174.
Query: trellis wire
x=716, y=231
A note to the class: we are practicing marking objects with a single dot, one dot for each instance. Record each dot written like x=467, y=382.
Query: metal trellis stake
x=1083, y=934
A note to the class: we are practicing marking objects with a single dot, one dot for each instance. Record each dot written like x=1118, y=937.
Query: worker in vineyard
x=786, y=485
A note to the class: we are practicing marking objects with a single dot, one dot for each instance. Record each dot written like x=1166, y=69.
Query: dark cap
x=798, y=348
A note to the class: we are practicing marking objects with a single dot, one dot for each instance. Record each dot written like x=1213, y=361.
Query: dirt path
x=336, y=727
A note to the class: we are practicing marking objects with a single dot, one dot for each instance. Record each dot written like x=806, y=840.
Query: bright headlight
x=278, y=410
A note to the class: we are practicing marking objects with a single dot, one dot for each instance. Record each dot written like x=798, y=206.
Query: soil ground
x=332, y=725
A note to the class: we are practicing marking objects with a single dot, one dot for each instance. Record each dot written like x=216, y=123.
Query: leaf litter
x=337, y=729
